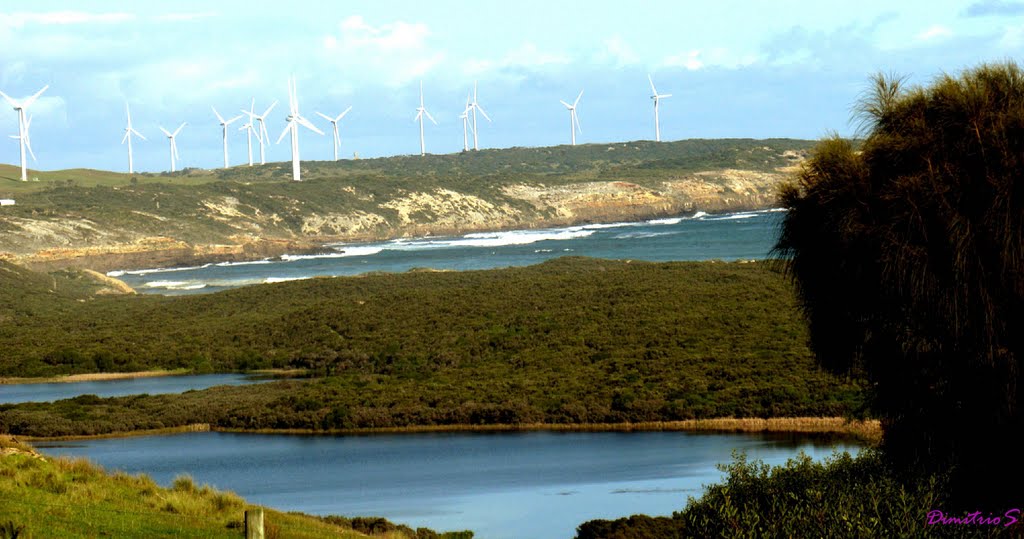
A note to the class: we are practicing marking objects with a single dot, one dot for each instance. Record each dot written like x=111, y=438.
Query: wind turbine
x=420, y=113
x=656, y=97
x=574, y=120
x=128, y=132
x=475, y=105
x=294, y=121
x=334, y=122
x=261, y=133
x=23, y=125
x=465, y=126
x=225, y=123
x=174, y=146
x=249, y=128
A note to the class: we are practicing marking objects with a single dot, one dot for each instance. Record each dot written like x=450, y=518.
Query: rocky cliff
x=133, y=228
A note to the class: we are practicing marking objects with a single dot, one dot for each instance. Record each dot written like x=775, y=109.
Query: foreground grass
x=74, y=498
x=843, y=496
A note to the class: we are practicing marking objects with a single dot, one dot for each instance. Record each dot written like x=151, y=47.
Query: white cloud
x=935, y=32
x=617, y=51
x=689, y=60
x=394, y=53
x=524, y=57
x=21, y=19
x=184, y=17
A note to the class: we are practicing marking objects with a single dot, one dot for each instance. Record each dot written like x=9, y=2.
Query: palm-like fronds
x=909, y=259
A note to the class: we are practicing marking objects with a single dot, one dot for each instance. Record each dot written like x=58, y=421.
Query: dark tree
x=908, y=255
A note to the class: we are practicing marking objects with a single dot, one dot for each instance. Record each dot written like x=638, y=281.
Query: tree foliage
x=908, y=256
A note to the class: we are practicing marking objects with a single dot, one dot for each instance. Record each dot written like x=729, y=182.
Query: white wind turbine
x=23, y=125
x=249, y=128
x=225, y=123
x=294, y=120
x=174, y=145
x=656, y=97
x=475, y=105
x=465, y=126
x=261, y=133
x=574, y=120
x=128, y=132
x=334, y=122
x=420, y=113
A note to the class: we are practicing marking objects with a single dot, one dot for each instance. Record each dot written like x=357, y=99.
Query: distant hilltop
x=106, y=220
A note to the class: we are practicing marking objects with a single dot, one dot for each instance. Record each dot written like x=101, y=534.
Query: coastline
x=868, y=431
x=163, y=252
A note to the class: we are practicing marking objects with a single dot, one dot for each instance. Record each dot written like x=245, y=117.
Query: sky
x=753, y=69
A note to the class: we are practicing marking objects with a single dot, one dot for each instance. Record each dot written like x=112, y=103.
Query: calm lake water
x=502, y=486
x=734, y=236
x=158, y=385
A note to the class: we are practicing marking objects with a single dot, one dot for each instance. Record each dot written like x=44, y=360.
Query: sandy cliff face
x=53, y=241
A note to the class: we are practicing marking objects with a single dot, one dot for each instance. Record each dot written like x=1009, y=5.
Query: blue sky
x=735, y=69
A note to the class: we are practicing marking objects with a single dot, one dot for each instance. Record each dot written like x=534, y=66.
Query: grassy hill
x=394, y=196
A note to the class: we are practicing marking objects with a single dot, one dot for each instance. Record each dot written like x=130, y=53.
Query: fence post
x=254, y=523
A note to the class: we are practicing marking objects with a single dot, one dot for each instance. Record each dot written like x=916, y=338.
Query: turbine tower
x=465, y=126
x=294, y=121
x=334, y=122
x=475, y=105
x=225, y=123
x=249, y=128
x=420, y=113
x=23, y=125
x=656, y=97
x=128, y=132
x=574, y=120
x=174, y=146
x=261, y=133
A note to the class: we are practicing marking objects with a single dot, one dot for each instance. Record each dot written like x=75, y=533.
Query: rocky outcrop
x=51, y=242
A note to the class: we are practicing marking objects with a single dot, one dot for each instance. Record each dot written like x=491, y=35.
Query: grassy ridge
x=74, y=498
x=568, y=341
x=265, y=202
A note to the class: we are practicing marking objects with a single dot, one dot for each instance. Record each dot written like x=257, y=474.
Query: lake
x=501, y=485
x=155, y=385
x=734, y=236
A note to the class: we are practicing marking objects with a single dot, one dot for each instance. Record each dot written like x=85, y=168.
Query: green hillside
x=569, y=341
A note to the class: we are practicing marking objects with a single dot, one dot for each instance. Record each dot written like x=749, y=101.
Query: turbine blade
x=166, y=132
x=429, y=116
x=568, y=106
x=326, y=117
x=270, y=108
x=12, y=102
x=419, y=113
x=219, y=117
x=138, y=134
x=576, y=118
x=577, y=99
x=482, y=112
x=665, y=95
x=126, y=133
x=653, y=89
x=28, y=145
x=178, y=130
x=252, y=108
x=342, y=115
x=236, y=118
x=305, y=123
x=283, y=133
x=32, y=99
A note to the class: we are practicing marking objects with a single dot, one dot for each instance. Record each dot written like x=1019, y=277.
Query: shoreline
x=168, y=253
x=91, y=377
x=868, y=431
